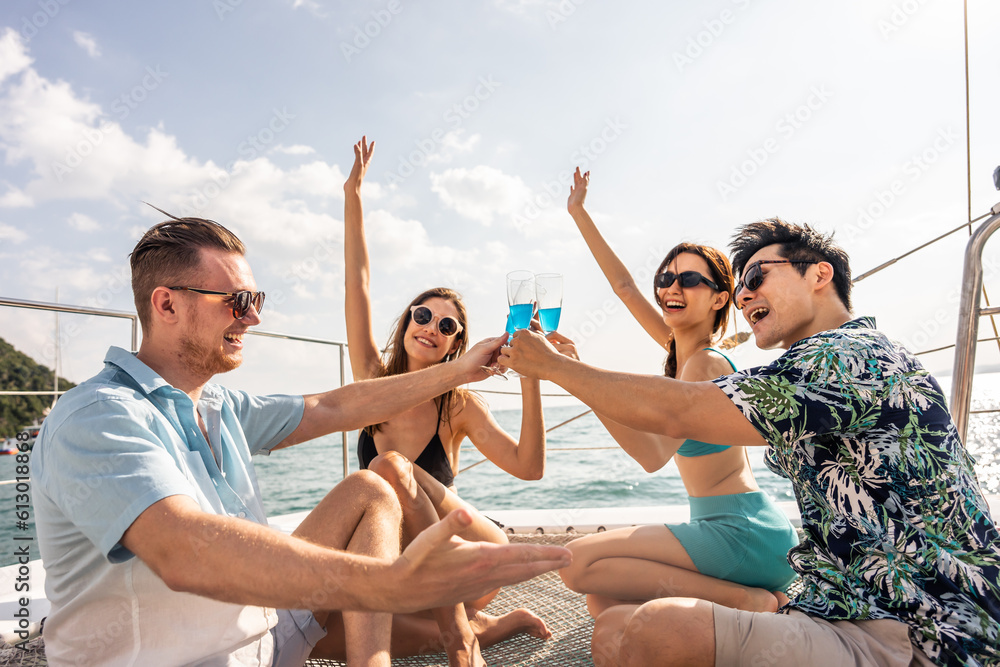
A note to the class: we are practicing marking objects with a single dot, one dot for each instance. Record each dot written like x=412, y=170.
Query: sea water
x=584, y=468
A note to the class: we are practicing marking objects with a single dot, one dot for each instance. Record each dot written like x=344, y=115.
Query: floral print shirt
x=895, y=523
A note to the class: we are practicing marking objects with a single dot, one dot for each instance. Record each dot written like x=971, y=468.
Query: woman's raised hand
x=578, y=191
x=362, y=156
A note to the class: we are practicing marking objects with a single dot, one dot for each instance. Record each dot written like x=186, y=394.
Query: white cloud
x=83, y=223
x=318, y=178
x=73, y=150
x=13, y=55
x=519, y=7
x=480, y=193
x=452, y=146
x=311, y=6
x=401, y=245
x=75, y=271
x=87, y=42
x=297, y=149
x=15, y=198
x=10, y=234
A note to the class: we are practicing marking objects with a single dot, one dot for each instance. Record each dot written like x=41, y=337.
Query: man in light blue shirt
x=150, y=522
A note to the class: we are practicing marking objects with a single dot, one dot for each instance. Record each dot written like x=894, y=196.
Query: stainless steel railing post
x=968, y=322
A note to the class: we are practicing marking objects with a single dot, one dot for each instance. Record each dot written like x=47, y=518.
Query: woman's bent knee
x=575, y=574
x=392, y=467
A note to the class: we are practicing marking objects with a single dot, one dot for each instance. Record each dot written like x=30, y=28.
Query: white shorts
x=295, y=635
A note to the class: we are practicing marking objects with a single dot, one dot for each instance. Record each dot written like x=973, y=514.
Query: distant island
x=19, y=372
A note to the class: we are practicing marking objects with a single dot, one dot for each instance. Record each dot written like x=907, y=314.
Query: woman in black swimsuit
x=433, y=329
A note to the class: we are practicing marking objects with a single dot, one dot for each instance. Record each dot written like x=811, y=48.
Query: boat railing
x=104, y=312
x=969, y=313
x=75, y=310
x=965, y=345
x=342, y=346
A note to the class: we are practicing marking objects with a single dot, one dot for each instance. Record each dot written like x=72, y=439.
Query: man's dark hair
x=170, y=252
x=798, y=242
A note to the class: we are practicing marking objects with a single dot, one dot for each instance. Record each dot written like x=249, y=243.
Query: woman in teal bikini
x=733, y=550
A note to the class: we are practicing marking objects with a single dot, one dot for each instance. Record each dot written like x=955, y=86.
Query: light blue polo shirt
x=125, y=439
x=122, y=441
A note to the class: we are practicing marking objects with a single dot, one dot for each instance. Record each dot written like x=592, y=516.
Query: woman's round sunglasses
x=447, y=326
x=241, y=301
x=688, y=279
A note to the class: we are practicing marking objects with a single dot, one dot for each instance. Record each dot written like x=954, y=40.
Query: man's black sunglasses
x=241, y=300
x=688, y=279
x=754, y=276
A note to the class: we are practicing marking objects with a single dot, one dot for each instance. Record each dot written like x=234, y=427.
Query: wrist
x=462, y=371
x=548, y=369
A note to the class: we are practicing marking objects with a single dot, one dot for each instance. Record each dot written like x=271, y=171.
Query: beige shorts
x=744, y=638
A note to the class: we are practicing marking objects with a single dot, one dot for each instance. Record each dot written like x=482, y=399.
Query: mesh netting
x=564, y=612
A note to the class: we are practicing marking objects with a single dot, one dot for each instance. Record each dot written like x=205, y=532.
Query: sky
x=693, y=118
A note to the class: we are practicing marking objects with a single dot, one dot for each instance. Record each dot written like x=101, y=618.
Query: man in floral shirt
x=901, y=559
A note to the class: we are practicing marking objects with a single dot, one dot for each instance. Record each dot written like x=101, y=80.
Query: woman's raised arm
x=644, y=312
x=364, y=352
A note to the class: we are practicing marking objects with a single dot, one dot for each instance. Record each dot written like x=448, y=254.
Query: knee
x=679, y=627
x=635, y=647
x=393, y=467
x=574, y=576
x=605, y=643
x=371, y=490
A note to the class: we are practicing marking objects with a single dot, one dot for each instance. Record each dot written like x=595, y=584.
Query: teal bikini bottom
x=743, y=538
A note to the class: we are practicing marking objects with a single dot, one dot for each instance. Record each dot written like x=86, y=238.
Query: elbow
x=652, y=466
x=181, y=573
x=176, y=577
x=625, y=288
x=673, y=429
x=534, y=473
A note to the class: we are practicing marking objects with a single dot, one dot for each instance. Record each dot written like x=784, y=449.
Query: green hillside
x=19, y=372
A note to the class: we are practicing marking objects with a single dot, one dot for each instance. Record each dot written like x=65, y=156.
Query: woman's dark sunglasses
x=241, y=300
x=423, y=315
x=688, y=279
x=754, y=276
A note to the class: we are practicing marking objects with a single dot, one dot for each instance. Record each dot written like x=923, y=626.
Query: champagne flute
x=521, y=300
x=549, y=291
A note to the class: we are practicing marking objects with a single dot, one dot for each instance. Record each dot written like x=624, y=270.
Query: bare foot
x=782, y=598
x=466, y=656
x=758, y=599
x=493, y=629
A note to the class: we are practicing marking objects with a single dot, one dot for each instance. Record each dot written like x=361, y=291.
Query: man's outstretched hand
x=439, y=569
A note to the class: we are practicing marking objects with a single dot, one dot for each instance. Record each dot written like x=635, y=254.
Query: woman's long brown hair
x=722, y=275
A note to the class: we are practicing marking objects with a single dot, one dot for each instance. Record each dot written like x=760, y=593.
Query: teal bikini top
x=692, y=448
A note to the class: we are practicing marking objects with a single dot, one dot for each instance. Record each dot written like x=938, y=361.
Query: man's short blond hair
x=170, y=252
